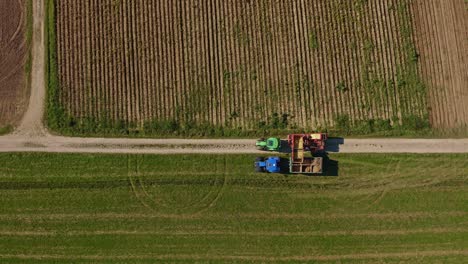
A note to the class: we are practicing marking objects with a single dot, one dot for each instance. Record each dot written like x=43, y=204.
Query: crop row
x=238, y=64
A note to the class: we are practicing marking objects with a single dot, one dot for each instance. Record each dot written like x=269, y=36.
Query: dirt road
x=31, y=136
x=31, y=124
x=173, y=146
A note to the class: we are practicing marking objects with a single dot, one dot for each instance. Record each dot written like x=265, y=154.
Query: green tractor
x=270, y=144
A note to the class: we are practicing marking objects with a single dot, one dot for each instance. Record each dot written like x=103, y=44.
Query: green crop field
x=77, y=208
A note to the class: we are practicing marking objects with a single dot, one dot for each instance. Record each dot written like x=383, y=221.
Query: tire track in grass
x=155, y=203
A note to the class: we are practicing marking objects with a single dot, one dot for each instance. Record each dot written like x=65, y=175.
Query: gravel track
x=31, y=136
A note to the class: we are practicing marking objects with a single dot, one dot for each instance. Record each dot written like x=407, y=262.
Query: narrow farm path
x=32, y=136
x=31, y=125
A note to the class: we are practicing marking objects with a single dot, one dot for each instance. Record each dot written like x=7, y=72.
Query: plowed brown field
x=238, y=63
x=13, y=54
x=442, y=39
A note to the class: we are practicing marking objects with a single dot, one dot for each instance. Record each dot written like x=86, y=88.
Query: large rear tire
x=258, y=169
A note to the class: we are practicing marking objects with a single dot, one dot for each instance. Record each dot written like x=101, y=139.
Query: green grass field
x=77, y=208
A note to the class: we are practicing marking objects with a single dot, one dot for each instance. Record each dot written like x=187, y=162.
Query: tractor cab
x=270, y=144
x=270, y=164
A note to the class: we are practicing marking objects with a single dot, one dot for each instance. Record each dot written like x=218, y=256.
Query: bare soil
x=13, y=55
x=441, y=28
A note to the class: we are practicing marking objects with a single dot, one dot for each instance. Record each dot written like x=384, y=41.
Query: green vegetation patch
x=6, y=130
x=186, y=208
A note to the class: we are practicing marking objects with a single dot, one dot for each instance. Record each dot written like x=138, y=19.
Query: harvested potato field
x=236, y=64
x=442, y=39
x=13, y=58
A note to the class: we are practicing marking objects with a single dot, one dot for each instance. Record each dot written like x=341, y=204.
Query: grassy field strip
x=250, y=258
x=236, y=233
x=185, y=208
x=106, y=216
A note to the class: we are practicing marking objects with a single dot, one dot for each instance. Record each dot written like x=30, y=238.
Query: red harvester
x=301, y=143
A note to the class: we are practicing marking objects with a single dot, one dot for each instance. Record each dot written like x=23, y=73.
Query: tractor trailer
x=302, y=158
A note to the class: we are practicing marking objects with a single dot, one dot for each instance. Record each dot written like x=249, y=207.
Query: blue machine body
x=270, y=165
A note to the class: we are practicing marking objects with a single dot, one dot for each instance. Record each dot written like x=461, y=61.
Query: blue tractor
x=270, y=164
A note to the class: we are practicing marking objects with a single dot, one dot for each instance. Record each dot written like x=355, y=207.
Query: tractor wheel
x=257, y=159
x=258, y=169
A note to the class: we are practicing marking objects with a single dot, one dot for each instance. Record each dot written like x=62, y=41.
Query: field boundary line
x=362, y=256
